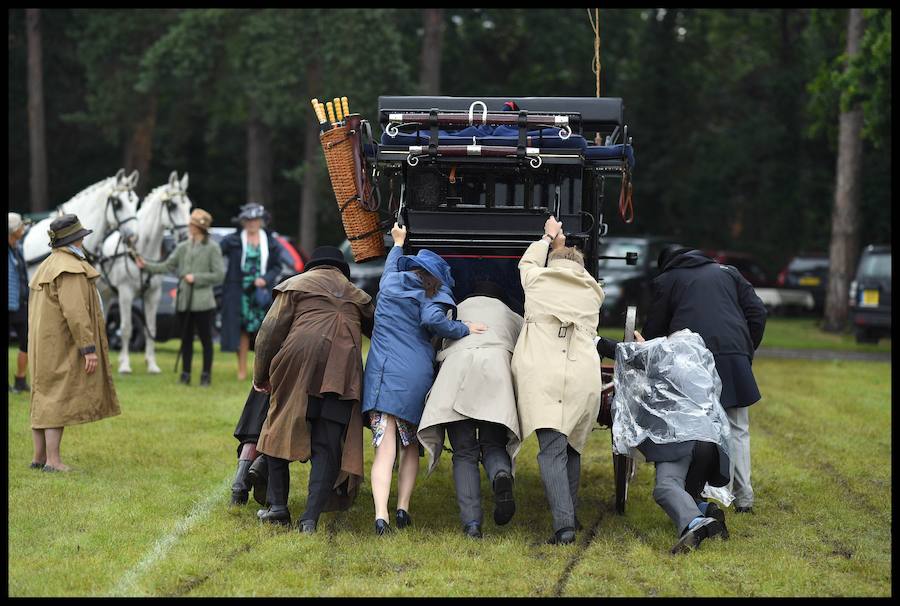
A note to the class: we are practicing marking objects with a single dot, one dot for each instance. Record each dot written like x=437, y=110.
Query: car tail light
x=173, y=293
x=854, y=287
x=782, y=276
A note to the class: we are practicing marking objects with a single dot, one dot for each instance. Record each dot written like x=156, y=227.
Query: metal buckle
x=562, y=332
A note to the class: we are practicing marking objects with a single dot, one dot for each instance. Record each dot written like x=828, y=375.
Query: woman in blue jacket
x=413, y=300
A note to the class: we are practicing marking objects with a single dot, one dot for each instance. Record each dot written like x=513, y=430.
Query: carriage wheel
x=624, y=468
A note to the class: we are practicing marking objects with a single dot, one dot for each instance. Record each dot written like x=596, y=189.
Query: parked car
x=166, y=326
x=807, y=271
x=744, y=263
x=625, y=284
x=366, y=276
x=870, y=295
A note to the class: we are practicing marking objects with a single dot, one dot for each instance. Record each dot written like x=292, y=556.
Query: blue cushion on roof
x=610, y=152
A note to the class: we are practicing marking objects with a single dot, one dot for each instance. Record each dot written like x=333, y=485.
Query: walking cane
x=184, y=325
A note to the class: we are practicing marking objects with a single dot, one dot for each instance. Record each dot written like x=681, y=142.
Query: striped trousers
x=560, y=466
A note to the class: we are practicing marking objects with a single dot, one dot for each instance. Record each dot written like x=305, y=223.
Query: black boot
x=240, y=491
x=258, y=478
x=204, y=379
x=20, y=385
x=185, y=378
x=277, y=514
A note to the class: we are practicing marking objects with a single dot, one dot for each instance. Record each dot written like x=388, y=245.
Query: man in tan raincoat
x=557, y=368
x=309, y=357
x=67, y=347
x=474, y=392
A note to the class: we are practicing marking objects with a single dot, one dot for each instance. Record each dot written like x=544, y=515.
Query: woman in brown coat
x=67, y=347
x=309, y=357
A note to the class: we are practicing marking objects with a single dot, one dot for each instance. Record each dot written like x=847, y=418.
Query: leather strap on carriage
x=433, y=139
x=625, y=204
x=523, y=136
x=381, y=226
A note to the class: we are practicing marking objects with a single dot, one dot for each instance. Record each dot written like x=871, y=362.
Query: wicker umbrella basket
x=360, y=225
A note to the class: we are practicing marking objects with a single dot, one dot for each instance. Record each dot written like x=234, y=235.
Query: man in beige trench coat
x=557, y=368
x=67, y=348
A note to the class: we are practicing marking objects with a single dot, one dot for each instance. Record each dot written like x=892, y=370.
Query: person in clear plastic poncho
x=667, y=408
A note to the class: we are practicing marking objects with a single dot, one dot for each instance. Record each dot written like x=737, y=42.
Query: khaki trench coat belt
x=566, y=329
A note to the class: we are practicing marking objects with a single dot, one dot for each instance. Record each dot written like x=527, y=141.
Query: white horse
x=166, y=207
x=104, y=206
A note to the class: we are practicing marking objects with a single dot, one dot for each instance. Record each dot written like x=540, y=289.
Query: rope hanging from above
x=596, y=67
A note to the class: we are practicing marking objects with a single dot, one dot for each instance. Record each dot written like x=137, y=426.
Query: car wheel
x=864, y=335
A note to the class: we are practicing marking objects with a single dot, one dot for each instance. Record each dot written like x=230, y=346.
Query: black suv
x=625, y=284
x=870, y=295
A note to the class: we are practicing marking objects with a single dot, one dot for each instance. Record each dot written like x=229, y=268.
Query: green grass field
x=796, y=333
x=146, y=512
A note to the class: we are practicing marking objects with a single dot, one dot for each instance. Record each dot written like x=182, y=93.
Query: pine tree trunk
x=312, y=152
x=259, y=159
x=432, y=47
x=139, y=149
x=844, y=247
x=37, y=142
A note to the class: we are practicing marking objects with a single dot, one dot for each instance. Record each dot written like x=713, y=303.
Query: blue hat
x=430, y=262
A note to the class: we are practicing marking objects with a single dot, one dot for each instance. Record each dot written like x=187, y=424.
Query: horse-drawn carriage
x=474, y=179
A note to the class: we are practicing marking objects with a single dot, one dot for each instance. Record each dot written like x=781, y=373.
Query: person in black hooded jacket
x=695, y=292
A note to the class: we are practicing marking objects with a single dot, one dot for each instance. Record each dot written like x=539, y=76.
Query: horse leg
x=125, y=299
x=151, y=305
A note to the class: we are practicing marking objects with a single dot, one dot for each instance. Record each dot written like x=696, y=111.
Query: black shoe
x=403, y=519
x=273, y=515
x=382, y=527
x=306, y=526
x=744, y=510
x=563, y=536
x=20, y=385
x=692, y=537
x=504, y=502
x=713, y=511
x=204, y=379
x=185, y=378
x=473, y=529
x=35, y=465
x=258, y=478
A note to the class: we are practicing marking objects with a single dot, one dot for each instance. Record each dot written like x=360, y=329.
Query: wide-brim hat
x=252, y=210
x=200, y=218
x=430, y=262
x=66, y=229
x=328, y=255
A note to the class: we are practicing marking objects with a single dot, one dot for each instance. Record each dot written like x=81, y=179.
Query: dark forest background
x=734, y=113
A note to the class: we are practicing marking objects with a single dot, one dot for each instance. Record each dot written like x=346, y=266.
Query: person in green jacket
x=198, y=264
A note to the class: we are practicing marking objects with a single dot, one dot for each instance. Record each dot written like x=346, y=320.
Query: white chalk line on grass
x=127, y=583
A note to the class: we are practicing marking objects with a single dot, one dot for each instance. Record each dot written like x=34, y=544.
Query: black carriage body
x=481, y=208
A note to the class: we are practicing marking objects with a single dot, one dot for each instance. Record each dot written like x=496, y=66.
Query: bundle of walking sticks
x=341, y=135
x=338, y=110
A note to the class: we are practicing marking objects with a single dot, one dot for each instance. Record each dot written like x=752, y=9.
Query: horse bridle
x=169, y=204
x=113, y=200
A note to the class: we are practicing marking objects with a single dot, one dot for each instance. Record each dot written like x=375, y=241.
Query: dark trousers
x=560, y=466
x=325, y=444
x=201, y=321
x=490, y=445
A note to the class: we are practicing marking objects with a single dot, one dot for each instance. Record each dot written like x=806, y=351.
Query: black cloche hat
x=328, y=255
